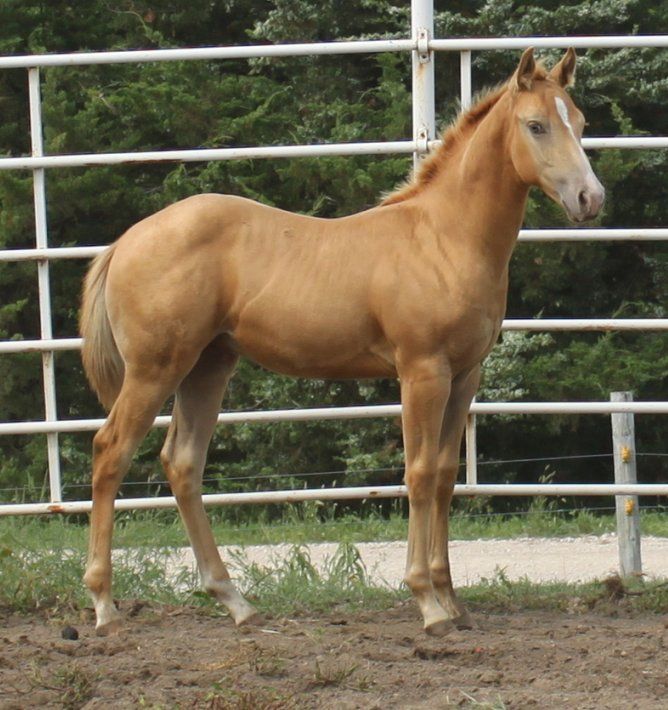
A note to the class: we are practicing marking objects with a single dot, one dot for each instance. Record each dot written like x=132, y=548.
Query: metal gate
x=422, y=45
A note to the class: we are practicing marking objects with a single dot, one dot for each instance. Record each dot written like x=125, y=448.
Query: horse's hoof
x=439, y=628
x=464, y=622
x=249, y=617
x=109, y=628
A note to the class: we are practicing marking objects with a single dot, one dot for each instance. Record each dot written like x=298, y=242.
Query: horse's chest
x=469, y=340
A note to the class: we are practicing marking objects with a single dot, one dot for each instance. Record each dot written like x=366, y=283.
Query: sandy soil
x=579, y=559
x=182, y=658
x=192, y=658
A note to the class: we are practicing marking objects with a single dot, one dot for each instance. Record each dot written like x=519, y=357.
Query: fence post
x=465, y=90
x=628, y=515
x=424, y=106
x=43, y=283
x=471, y=437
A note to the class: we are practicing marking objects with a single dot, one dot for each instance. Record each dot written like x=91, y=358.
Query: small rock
x=69, y=633
x=490, y=677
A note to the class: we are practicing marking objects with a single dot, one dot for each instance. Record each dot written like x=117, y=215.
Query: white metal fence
x=422, y=45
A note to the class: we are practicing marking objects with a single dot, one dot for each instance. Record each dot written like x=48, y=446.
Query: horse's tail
x=101, y=358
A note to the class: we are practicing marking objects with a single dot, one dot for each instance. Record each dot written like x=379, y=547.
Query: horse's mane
x=458, y=131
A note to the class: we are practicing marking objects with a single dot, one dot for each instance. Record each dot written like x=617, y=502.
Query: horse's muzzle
x=584, y=204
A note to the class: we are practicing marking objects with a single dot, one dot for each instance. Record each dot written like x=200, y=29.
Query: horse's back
x=291, y=291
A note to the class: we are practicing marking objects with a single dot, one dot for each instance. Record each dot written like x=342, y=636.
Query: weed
x=268, y=664
x=142, y=702
x=44, y=579
x=225, y=698
x=499, y=593
x=35, y=579
x=332, y=673
x=294, y=584
x=73, y=684
x=471, y=702
x=258, y=660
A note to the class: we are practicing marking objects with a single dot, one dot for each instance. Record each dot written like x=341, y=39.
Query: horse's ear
x=523, y=77
x=564, y=72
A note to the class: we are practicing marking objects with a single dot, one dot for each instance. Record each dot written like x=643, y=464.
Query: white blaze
x=562, y=110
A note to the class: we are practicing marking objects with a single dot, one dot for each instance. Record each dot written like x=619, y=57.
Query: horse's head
x=545, y=137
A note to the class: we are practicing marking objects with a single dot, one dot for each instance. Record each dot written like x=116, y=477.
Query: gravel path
x=539, y=559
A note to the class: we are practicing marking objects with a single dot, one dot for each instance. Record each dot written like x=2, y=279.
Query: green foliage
x=295, y=585
x=49, y=581
x=499, y=593
x=35, y=578
x=325, y=99
x=303, y=524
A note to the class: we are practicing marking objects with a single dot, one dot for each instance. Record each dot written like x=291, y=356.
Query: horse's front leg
x=425, y=388
x=464, y=388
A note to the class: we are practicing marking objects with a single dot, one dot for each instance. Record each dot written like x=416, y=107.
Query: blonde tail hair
x=101, y=358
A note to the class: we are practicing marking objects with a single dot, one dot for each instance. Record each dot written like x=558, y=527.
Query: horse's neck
x=477, y=201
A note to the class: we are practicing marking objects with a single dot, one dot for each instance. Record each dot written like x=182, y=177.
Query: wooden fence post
x=628, y=515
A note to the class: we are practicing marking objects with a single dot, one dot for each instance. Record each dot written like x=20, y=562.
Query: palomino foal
x=414, y=288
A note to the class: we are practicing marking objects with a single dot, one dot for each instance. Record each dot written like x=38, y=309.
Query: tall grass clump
x=294, y=585
x=34, y=578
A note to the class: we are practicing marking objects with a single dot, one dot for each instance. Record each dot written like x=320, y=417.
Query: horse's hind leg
x=130, y=419
x=454, y=422
x=183, y=456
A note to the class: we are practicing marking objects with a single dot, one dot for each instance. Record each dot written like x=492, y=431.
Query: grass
x=312, y=522
x=500, y=594
x=50, y=581
x=42, y=560
x=73, y=684
x=294, y=584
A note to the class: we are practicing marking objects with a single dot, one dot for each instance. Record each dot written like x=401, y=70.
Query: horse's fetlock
x=417, y=582
x=221, y=589
x=95, y=579
x=440, y=574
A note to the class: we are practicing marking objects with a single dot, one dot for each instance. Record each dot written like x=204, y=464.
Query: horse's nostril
x=583, y=199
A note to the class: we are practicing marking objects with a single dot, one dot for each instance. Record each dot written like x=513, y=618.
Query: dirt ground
x=186, y=658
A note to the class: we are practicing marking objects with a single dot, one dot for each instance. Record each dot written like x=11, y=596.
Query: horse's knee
x=182, y=476
x=103, y=440
x=420, y=481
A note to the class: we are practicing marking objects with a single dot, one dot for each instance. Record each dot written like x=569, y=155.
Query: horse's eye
x=536, y=128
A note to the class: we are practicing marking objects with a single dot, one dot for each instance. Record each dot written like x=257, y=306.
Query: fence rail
x=330, y=48
x=422, y=46
x=267, y=416
x=532, y=324
x=348, y=493
x=83, y=160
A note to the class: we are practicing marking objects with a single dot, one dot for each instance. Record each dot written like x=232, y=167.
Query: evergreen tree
x=312, y=100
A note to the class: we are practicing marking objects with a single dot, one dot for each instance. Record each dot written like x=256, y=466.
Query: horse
x=414, y=288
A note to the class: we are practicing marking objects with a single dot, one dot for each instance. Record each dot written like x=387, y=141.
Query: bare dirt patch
x=185, y=657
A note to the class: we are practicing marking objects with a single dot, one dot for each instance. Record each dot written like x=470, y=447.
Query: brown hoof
x=464, y=622
x=439, y=628
x=109, y=628
x=251, y=618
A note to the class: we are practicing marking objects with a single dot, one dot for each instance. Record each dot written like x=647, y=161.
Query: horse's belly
x=304, y=349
